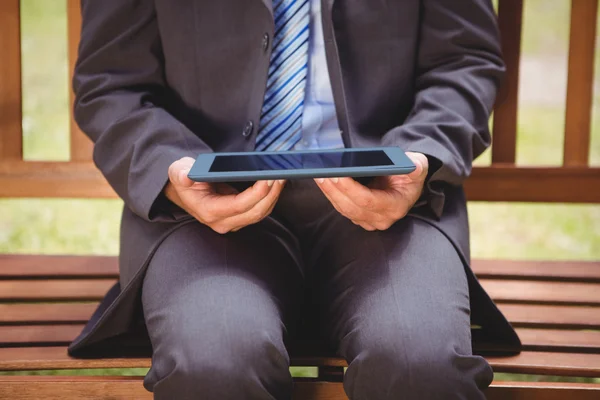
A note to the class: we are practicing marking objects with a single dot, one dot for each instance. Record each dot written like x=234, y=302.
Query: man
x=222, y=278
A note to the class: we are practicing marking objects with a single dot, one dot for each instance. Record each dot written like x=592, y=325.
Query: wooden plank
x=580, y=82
x=25, y=266
x=495, y=183
x=20, y=265
x=37, y=358
x=55, y=290
x=128, y=387
x=39, y=335
x=542, y=391
x=65, y=388
x=520, y=315
x=530, y=184
x=554, y=340
x=560, y=340
x=11, y=133
x=46, y=313
x=547, y=363
x=528, y=362
x=543, y=292
x=52, y=180
x=504, y=138
x=81, y=145
x=43, y=266
x=554, y=270
x=532, y=315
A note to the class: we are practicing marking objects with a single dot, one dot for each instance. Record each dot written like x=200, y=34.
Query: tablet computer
x=263, y=165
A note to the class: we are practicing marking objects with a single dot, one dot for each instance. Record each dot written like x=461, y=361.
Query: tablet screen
x=287, y=161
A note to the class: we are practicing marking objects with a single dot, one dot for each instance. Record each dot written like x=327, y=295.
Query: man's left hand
x=383, y=202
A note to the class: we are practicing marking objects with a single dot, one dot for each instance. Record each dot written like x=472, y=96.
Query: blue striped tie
x=281, y=120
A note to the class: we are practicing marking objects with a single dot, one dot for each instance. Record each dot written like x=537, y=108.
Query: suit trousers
x=395, y=304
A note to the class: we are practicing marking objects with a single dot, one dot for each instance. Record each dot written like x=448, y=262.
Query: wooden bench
x=555, y=306
x=46, y=300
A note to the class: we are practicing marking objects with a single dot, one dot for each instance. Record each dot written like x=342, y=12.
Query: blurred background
x=499, y=230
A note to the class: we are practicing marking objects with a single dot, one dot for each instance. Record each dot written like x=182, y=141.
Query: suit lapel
x=335, y=69
x=269, y=5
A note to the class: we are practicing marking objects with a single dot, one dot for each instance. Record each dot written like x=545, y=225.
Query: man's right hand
x=219, y=206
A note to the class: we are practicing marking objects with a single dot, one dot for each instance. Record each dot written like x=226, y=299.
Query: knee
x=220, y=366
x=396, y=366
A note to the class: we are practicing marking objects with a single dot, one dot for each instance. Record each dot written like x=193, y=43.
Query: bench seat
x=130, y=387
x=46, y=300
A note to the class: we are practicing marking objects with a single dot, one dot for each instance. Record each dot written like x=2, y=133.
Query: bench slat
x=499, y=290
x=532, y=315
x=559, y=270
x=48, y=290
x=543, y=292
x=549, y=363
x=46, y=313
x=533, y=339
x=19, y=266
x=15, y=266
x=129, y=387
x=522, y=315
x=494, y=183
x=56, y=357
x=76, y=387
x=542, y=391
x=560, y=340
x=39, y=334
x=544, y=363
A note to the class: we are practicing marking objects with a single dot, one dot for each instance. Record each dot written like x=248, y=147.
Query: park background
x=498, y=230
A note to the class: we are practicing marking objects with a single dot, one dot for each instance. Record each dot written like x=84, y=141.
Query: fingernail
x=281, y=181
x=320, y=180
x=270, y=183
x=335, y=180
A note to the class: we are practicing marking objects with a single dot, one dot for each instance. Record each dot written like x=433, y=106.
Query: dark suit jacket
x=157, y=80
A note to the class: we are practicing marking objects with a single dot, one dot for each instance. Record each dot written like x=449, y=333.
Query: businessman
x=220, y=278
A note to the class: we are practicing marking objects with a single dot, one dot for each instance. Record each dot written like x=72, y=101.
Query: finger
x=179, y=170
x=266, y=215
x=263, y=207
x=225, y=189
x=320, y=183
x=225, y=206
x=360, y=195
x=343, y=204
x=257, y=213
x=367, y=225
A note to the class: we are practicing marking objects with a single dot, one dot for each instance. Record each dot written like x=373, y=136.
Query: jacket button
x=248, y=129
x=265, y=42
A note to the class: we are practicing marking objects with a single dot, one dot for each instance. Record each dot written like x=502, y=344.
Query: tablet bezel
x=200, y=172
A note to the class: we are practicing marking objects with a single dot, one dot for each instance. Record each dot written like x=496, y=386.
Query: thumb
x=183, y=179
x=179, y=170
x=421, y=163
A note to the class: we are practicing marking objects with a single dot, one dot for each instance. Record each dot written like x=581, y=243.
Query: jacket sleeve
x=459, y=68
x=119, y=88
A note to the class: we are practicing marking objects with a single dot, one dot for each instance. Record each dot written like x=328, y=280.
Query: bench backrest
x=573, y=182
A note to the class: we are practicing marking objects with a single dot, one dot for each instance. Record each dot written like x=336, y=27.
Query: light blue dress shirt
x=320, y=128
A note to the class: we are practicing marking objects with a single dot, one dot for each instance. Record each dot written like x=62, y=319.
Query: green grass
x=45, y=80
x=57, y=226
x=518, y=231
